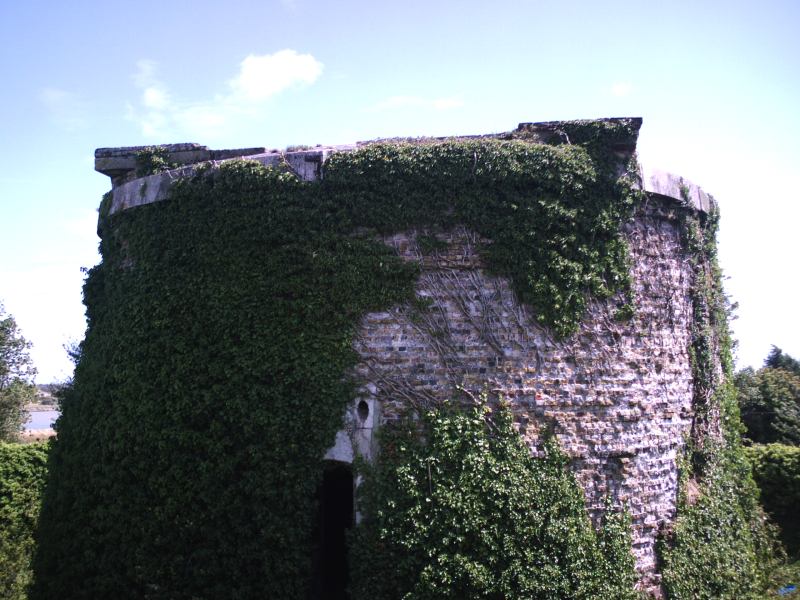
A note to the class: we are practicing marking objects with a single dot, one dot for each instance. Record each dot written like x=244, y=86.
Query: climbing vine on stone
x=457, y=507
x=152, y=160
x=719, y=547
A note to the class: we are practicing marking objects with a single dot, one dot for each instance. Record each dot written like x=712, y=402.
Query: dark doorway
x=335, y=518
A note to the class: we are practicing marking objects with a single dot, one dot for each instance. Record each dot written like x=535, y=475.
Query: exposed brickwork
x=618, y=394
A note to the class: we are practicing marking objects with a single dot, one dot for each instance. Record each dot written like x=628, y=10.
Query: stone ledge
x=306, y=164
x=129, y=191
x=543, y=132
x=676, y=187
x=120, y=163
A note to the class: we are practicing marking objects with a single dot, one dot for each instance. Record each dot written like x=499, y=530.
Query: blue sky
x=718, y=85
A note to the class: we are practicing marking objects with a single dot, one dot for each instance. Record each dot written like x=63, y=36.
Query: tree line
x=769, y=401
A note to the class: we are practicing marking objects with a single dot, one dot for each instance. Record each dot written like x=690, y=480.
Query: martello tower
x=251, y=328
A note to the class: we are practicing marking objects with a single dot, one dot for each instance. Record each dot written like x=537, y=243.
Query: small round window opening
x=362, y=410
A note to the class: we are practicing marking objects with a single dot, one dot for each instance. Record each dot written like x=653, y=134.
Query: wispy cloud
x=404, y=102
x=155, y=107
x=66, y=109
x=260, y=77
x=621, y=89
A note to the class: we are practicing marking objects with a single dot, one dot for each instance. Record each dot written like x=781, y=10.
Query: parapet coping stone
x=306, y=164
x=120, y=165
x=669, y=185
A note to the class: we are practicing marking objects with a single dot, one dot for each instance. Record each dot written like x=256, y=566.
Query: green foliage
x=153, y=159
x=429, y=244
x=769, y=401
x=460, y=509
x=553, y=213
x=777, y=359
x=720, y=546
x=211, y=380
x=783, y=574
x=23, y=470
x=207, y=389
x=686, y=193
x=776, y=470
x=16, y=377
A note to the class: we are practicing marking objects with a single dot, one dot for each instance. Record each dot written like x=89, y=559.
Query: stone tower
x=618, y=394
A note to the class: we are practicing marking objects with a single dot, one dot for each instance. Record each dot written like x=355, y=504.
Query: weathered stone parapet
x=129, y=190
x=547, y=132
x=120, y=164
x=307, y=164
x=668, y=185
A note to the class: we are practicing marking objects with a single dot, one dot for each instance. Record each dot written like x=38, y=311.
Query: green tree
x=16, y=377
x=776, y=470
x=777, y=359
x=769, y=400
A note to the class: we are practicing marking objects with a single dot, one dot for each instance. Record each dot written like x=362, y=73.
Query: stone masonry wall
x=618, y=394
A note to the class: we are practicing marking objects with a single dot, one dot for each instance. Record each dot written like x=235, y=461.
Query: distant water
x=42, y=419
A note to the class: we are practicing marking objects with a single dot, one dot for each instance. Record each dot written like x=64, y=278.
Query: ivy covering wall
x=214, y=372
x=457, y=507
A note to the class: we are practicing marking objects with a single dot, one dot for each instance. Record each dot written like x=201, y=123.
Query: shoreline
x=40, y=407
x=30, y=436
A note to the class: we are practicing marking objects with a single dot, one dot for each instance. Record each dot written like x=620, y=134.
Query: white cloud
x=621, y=89
x=260, y=78
x=156, y=107
x=155, y=98
x=263, y=76
x=402, y=102
x=67, y=110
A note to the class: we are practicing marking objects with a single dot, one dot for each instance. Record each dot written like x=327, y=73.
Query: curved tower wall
x=617, y=394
